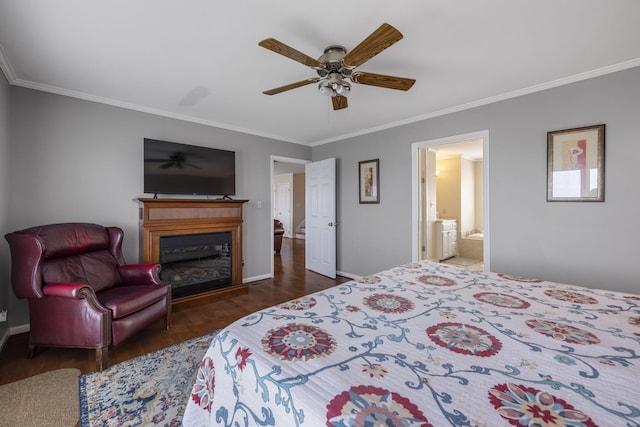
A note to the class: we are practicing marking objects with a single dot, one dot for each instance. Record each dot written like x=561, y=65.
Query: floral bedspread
x=428, y=344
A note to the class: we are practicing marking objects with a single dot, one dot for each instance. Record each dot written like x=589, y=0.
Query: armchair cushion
x=61, y=240
x=97, y=269
x=124, y=300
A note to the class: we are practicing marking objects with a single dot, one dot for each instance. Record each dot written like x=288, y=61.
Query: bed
x=428, y=344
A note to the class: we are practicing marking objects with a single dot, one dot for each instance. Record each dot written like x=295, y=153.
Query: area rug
x=148, y=390
x=456, y=260
x=48, y=399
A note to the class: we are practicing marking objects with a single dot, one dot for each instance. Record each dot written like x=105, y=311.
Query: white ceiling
x=199, y=60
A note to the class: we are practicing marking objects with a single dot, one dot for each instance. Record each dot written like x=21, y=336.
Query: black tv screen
x=173, y=168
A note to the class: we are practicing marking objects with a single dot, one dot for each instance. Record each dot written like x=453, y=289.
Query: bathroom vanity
x=446, y=238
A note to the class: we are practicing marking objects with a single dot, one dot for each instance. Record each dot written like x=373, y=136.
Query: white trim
x=6, y=67
x=3, y=339
x=149, y=110
x=20, y=329
x=415, y=199
x=13, y=330
x=14, y=80
x=492, y=99
x=348, y=275
x=257, y=278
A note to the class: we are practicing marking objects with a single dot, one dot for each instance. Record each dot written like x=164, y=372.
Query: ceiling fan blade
x=385, y=36
x=381, y=80
x=339, y=102
x=281, y=48
x=290, y=86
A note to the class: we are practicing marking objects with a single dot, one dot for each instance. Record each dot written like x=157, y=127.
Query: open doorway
x=450, y=200
x=288, y=204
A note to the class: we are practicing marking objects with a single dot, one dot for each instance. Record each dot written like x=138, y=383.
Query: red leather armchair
x=81, y=293
x=278, y=231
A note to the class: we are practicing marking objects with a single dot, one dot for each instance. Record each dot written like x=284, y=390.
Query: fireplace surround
x=197, y=242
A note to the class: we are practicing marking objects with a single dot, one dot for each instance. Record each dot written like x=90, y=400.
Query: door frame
x=415, y=190
x=273, y=159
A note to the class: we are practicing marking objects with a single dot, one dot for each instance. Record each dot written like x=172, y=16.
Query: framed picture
x=369, y=181
x=575, y=165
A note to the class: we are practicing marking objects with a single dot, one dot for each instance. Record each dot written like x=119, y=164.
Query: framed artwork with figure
x=575, y=165
x=369, y=181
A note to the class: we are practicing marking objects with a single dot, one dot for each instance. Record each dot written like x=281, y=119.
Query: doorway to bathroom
x=450, y=200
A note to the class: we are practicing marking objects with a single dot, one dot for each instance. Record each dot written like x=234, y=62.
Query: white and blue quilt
x=428, y=344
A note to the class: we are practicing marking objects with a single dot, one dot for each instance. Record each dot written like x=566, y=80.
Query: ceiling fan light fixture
x=343, y=90
x=334, y=85
x=325, y=88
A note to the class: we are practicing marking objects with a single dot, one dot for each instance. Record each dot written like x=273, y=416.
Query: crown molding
x=129, y=106
x=490, y=100
x=5, y=66
x=13, y=80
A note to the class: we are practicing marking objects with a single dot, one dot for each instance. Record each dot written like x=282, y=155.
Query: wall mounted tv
x=173, y=168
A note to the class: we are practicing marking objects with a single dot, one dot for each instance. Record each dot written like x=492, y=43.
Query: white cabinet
x=446, y=239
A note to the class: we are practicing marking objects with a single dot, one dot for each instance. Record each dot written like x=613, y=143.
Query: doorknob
x=332, y=224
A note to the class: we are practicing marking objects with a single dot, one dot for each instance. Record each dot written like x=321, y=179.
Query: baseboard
x=20, y=329
x=256, y=278
x=3, y=339
x=269, y=276
x=14, y=330
x=348, y=275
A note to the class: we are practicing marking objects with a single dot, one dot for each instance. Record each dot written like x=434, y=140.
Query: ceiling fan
x=336, y=66
x=176, y=160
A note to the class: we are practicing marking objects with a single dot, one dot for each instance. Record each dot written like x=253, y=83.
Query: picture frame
x=575, y=164
x=369, y=181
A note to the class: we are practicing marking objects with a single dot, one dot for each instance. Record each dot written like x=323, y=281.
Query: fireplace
x=195, y=263
x=198, y=244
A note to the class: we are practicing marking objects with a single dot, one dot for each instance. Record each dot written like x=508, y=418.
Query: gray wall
x=4, y=196
x=75, y=160
x=593, y=244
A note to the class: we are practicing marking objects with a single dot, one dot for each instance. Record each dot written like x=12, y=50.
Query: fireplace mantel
x=171, y=217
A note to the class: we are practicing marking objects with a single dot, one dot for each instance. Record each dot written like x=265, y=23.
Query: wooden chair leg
x=167, y=321
x=32, y=351
x=167, y=318
x=102, y=358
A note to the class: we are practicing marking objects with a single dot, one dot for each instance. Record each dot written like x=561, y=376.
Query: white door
x=283, y=207
x=320, y=212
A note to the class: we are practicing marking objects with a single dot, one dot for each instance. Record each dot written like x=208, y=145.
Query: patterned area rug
x=148, y=390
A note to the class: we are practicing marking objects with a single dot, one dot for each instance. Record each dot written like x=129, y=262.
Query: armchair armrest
x=140, y=274
x=66, y=290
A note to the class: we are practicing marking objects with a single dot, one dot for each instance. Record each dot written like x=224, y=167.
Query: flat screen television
x=173, y=168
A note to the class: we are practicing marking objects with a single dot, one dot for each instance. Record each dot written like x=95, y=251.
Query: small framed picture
x=575, y=165
x=369, y=181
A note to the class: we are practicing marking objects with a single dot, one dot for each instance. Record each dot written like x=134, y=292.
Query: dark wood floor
x=291, y=281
